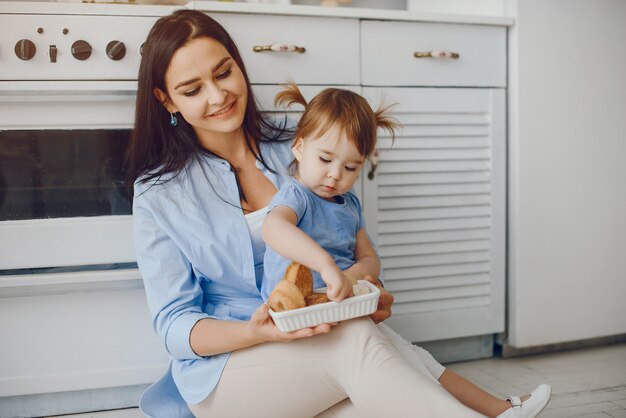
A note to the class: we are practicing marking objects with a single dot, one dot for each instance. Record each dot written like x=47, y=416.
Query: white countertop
x=346, y=12
x=243, y=7
x=99, y=9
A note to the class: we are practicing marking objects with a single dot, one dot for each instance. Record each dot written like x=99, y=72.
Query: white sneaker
x=531, y=407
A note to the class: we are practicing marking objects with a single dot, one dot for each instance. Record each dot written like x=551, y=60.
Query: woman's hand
x=384, y=301
x=339, y=284
x=264, y=328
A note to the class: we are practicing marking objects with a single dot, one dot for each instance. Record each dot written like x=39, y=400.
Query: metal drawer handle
x=437, y=54
x=279, y=48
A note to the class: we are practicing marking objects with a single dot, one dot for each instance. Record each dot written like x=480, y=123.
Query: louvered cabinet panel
x=436, y=209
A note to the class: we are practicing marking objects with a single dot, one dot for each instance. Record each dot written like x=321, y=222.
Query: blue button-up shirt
x=195, y=255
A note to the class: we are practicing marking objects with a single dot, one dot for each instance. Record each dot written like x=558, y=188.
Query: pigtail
x=389, y=124
x=289, y=95
x=386, y=122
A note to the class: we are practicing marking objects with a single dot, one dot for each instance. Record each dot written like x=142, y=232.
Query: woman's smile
x=224, y=112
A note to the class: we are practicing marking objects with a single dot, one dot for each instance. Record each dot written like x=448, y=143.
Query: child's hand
x=339, y=284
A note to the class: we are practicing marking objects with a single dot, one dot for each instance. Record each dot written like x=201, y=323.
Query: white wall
x=370, y=4
x=471, y=7
x=567, y=226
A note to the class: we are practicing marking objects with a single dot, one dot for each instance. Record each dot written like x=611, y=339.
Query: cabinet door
x=436, y=209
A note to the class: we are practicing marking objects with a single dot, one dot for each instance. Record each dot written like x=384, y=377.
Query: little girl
x=316, y=220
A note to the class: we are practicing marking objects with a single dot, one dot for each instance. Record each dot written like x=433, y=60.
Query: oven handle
x=28, y=105
x=66, y=91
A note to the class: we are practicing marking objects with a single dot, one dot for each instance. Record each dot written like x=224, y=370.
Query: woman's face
x=207, y=87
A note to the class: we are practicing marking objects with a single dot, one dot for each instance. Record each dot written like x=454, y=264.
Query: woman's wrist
x=260, y=328
x=254, y=336
x=254, y=333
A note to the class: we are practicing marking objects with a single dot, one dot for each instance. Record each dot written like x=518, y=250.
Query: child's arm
x=367, y=261
x=282, y=234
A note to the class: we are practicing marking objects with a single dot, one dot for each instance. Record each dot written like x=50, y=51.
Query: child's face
x=328, y=165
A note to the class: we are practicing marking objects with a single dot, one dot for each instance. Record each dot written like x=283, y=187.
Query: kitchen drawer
x=265, y=95
x=388, y=50
x=329, y=59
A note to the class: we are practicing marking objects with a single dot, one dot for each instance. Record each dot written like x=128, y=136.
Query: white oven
x=67, y=91
x=72, y=305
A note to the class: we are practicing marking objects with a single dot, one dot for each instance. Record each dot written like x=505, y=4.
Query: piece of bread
x=316, y=298
x=300, y=276
x=285, y=297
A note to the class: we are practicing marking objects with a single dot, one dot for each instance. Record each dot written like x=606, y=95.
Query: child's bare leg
x=472, y=396
x=462, y=389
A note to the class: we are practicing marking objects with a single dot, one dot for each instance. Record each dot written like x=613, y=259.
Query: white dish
x=328, y=312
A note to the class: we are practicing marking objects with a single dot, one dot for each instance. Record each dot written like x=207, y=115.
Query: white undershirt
x=255, y=223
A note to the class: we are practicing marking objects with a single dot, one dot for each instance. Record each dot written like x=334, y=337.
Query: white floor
x=587, y=383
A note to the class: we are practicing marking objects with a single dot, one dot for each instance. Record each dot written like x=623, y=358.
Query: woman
x=203, y=163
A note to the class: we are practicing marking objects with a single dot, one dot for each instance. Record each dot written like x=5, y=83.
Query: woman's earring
x=173, y=120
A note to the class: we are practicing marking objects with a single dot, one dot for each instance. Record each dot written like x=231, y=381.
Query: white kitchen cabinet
x=388, y=54
x=436, y=205
x=318, y=64
x=567, y=131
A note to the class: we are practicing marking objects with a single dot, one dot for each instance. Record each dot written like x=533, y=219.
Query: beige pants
x=419, y=358
x=307, y=377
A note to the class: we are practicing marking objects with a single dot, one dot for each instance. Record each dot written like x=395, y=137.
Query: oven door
x=62, y=197
x=67, y=262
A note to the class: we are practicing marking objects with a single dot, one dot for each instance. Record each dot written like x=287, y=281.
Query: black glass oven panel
x=62, y=173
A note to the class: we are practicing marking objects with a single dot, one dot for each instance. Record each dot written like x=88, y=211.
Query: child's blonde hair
x=347, y=110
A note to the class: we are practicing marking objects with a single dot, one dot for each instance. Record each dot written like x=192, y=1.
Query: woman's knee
x=357, y=328
x=360, y=334
x=346, y=341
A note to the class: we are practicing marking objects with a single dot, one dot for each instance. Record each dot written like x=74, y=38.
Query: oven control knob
x=25, y=49
x=116, y=50
x=81, y=50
